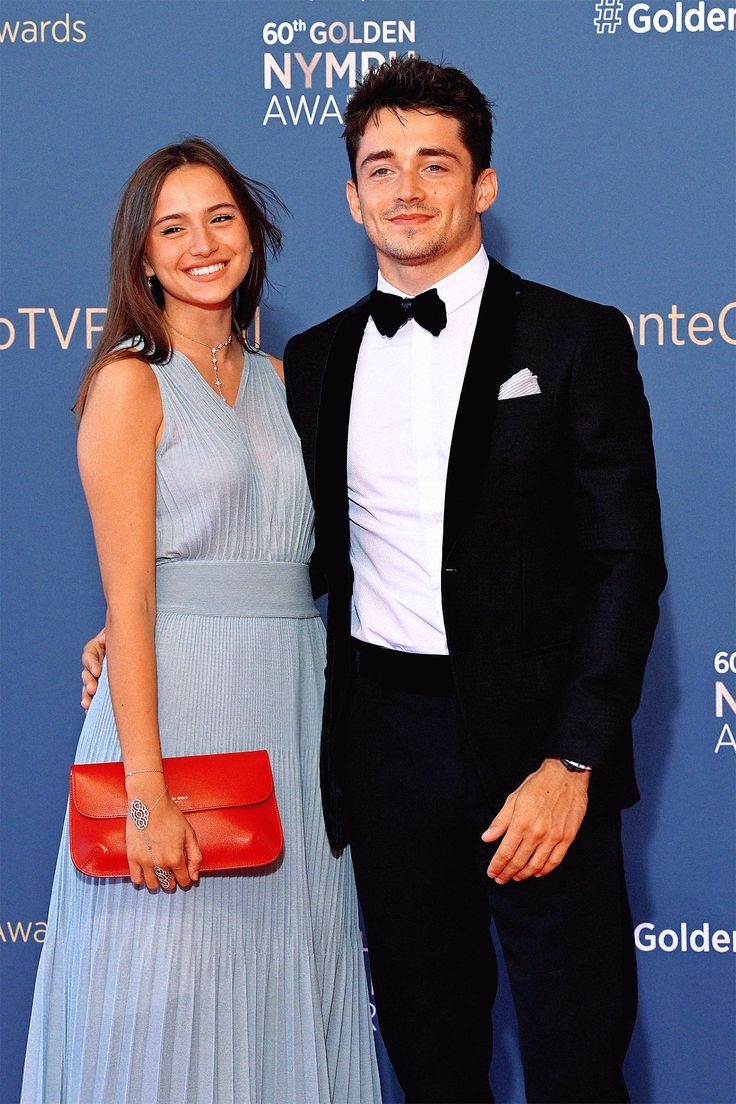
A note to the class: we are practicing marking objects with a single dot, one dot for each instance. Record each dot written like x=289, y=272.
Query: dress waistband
x=261, y=589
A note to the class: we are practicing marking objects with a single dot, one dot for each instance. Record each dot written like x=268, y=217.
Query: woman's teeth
x=207, y=270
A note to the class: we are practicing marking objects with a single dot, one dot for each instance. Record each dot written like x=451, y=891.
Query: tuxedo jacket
x=552, y=559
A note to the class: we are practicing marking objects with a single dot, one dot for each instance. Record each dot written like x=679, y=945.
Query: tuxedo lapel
x=488, y=366
x=331, y=480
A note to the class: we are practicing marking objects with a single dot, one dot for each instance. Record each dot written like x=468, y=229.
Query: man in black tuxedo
x=488, y=526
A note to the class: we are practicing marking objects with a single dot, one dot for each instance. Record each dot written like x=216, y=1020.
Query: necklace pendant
x=214, y=349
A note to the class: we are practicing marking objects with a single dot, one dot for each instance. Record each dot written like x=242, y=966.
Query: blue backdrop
x=615, y=153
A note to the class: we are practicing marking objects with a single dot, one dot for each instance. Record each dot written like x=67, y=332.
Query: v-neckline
x=218, y=398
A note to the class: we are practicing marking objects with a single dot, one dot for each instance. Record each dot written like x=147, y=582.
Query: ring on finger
x=164, y=876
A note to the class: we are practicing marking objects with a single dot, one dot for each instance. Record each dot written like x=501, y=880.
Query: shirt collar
x=456, y=289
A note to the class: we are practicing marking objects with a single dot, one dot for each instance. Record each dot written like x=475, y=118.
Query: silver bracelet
x=140, y=813
x=148, y=770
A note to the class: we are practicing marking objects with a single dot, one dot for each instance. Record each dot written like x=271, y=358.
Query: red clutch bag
x=228, y=799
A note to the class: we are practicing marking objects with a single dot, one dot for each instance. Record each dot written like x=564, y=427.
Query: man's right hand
x=93, y=654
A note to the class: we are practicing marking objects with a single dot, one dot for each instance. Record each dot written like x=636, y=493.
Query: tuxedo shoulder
x=550, y=307
x=317, y=337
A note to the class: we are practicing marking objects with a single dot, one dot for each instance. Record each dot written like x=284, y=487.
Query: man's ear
x=486, y=190
x=351, y=193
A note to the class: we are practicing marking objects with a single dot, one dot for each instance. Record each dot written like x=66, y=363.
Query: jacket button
x=450, y=570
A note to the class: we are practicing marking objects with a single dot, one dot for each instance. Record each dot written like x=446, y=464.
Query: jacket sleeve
x=618, y=541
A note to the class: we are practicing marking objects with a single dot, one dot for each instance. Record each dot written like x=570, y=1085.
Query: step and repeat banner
x=615, y=154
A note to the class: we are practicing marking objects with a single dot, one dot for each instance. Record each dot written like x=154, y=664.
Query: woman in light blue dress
x=242, y=988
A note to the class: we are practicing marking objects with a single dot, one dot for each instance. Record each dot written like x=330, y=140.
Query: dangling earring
x=155, y=290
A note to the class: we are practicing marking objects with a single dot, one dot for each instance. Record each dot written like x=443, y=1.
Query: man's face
x=415, y=194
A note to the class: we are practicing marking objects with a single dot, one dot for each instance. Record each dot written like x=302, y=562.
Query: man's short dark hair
x=413, y=84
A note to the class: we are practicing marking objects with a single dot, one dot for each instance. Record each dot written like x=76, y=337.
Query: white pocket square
x=522, y=383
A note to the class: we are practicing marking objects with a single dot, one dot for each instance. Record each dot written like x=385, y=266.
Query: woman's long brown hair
x=135, y=307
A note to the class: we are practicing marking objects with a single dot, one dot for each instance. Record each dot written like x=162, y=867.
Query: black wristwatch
x=575, y=768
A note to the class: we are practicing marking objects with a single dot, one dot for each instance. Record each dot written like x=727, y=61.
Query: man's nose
x=409, y=187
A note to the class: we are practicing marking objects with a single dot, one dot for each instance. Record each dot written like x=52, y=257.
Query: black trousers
x=417, y=812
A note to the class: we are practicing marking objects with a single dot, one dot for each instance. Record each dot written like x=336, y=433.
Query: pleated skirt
x=248, y=988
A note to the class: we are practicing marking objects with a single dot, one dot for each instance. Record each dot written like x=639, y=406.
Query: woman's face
x=198, y=245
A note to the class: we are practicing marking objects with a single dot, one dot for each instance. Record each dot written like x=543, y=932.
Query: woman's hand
x=93, y=654
x=169, y=841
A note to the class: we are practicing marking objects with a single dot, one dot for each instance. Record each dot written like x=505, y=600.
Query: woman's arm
x=116, y=450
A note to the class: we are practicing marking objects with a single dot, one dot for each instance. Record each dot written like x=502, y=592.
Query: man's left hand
x=538, y=821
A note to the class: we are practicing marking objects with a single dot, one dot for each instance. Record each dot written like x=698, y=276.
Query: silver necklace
x=214, y=350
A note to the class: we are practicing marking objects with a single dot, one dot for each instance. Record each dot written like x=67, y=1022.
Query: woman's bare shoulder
x=124, y=387
x=278, y=366
x=122, y=376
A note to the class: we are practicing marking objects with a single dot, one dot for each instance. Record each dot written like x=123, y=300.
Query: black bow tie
x=390, y=312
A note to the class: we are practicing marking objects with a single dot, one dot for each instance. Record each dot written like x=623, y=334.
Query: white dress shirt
x=402, y=415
